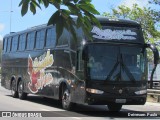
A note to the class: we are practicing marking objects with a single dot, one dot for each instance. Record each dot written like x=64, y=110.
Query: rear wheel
x=66, y=100
x=14, y=92
x=22, y=95
x=115, y=107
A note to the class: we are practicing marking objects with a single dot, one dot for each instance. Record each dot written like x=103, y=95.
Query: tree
x=155, y=12
x=157, y=17
x=83, y=9
x=157, y=2
x=145, y=16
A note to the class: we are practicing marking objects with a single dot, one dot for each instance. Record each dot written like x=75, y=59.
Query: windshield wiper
x=113, y=69
x=125, y=68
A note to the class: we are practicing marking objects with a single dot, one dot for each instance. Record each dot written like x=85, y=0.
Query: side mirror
x=155, y=52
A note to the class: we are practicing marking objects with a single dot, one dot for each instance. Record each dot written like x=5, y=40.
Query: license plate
x=120, y=100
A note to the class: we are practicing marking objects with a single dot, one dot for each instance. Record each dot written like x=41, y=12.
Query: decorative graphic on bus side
x=36, y=71
x=109, y=34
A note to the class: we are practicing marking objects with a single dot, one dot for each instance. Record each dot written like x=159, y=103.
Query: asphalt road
x=38, y=106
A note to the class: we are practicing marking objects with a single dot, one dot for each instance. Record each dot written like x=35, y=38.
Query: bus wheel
x=14, y=92
x=114, y=107
x=22, y=95
x=66, y=100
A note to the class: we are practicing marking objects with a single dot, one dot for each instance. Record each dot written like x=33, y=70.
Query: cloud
x=129, y=3
x=2, y=27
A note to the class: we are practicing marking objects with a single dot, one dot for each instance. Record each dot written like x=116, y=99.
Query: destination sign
x=112, y=34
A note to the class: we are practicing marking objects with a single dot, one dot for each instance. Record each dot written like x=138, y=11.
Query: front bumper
x=94, y=99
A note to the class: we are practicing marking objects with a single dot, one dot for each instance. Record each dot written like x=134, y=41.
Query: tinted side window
x=22, y=42
x=14, y=43
x=5, y=45
x=40, y=39
x=80, y=36
x=9, y=44
x=30, y=40
x=51, y=38
x=65, y=37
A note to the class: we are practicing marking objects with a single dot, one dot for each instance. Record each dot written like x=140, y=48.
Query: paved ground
x=49, y=107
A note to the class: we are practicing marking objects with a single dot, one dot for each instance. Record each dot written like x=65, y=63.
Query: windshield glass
x=115, y=63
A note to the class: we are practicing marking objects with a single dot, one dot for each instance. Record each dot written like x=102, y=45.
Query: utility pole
x=11, y=16
x=10, y=19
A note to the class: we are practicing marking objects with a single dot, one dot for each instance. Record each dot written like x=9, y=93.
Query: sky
x=14, y=22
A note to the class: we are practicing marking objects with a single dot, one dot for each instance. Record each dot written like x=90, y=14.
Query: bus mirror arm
x=156, y=59
x=155, y=52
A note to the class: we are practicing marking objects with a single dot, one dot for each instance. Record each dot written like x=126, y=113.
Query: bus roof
x=102, y=20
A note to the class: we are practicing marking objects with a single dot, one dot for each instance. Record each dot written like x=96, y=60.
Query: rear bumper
x=93, y=99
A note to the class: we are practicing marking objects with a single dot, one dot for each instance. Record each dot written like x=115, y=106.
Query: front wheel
x=114, y=107
x=14, y=92
x=66, y=100
x=22, y=95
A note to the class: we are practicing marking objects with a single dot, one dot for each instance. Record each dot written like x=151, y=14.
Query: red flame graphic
x=34, y=76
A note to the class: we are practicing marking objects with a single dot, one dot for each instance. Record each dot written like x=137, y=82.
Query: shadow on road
x=82, y=110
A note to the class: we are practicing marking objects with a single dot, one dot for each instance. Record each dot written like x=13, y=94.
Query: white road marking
x=60, y=113
x=44, y=109
x=76, y=118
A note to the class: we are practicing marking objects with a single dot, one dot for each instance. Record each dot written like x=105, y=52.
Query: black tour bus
x=110, y=69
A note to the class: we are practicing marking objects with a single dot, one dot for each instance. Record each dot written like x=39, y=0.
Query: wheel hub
x=20, y=89
x=66, y=98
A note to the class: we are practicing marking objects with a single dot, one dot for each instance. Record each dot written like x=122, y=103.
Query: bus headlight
x=141, y=92
x=95, y=91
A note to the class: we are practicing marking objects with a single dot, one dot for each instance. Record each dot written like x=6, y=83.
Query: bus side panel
x=40, y=76
x=66, y=73
x=6, y=71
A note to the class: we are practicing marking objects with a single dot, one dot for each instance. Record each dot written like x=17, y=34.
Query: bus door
x=78, y=86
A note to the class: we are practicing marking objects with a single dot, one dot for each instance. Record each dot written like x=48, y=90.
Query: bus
x=109, y=69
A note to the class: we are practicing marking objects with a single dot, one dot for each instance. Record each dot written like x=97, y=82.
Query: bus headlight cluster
x=95, y=91
x=141, y=92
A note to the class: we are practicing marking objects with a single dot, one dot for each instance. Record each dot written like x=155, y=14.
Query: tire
x=114, y=107
x=66, y=100
x=22, y=95
x=14, y=92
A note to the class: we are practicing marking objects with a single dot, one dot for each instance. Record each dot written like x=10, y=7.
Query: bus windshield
x=115, y=63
